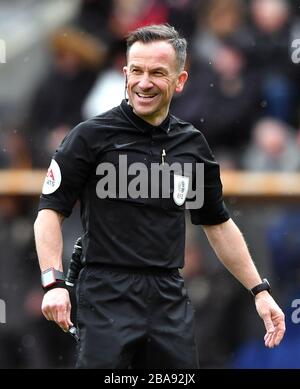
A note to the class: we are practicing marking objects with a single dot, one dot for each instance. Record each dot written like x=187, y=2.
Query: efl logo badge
x=53, y=178
x=181, y=186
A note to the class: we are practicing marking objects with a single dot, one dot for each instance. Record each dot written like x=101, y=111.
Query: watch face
x=48, y=277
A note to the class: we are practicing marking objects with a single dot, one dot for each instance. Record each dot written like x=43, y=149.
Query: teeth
x=145, y=96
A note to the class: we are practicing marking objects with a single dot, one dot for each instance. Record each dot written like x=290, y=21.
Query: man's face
x=152, y=79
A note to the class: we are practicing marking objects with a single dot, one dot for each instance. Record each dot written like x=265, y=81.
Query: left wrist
x=263, y=293
x=264, y=286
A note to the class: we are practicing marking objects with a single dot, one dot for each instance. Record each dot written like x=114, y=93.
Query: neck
x=153, y=120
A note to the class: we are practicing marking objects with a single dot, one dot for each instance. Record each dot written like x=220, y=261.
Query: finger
x=62, y=320
x=267, y=335
x=279, y=335
x=65, y=317
x=50, y=316
x=47, y=312
x=281, y=329
x=270, y=340
x=55, y=314
x=70, y=323
x=279, y=332
x=275, y=339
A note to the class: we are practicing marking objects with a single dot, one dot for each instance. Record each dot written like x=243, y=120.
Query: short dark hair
x=160, y=32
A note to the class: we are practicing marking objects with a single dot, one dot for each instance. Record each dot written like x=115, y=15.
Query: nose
x=145, y=82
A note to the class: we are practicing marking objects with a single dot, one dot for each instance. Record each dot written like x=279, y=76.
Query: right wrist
x=52, y=278
x=57, y=285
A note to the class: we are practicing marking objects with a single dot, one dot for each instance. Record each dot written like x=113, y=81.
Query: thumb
x=70, y=323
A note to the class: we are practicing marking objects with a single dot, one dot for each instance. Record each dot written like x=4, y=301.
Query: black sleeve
x=213, y=210
x=69, y=170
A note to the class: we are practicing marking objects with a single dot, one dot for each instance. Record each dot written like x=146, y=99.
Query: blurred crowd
x=242, y=90
x=242, y=94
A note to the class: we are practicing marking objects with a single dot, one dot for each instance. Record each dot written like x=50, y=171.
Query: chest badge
x=181, y=186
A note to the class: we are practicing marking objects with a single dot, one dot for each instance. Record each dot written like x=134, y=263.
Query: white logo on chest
x=181, y=186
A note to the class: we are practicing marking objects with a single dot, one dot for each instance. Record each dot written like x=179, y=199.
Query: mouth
x=145, y=97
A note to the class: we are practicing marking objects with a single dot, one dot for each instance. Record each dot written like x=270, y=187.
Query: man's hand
x=273, y=318
x=56, y=306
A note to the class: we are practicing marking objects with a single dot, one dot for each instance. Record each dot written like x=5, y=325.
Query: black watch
x=264, y=285
x=51, y=277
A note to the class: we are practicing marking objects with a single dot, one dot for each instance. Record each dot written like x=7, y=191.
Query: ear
x=181, y=80
x=125, y=71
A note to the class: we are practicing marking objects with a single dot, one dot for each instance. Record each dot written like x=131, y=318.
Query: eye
x=158, y=73
x=135, y=71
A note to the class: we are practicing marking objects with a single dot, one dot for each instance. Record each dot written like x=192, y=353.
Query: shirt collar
x=139, y=122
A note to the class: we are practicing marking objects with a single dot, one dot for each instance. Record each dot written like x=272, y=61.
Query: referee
x=133, y=311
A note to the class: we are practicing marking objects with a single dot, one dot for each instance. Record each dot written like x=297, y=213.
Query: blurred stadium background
x=60, y=63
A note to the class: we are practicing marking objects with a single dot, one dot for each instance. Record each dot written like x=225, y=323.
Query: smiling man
x=133, y=311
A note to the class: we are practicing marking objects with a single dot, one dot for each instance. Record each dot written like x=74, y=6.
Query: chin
x=143, y=110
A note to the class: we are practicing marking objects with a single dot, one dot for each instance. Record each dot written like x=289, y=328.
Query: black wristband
x=264, y=285
x=57, y=284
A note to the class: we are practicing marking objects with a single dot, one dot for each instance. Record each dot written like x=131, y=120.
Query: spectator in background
x=93, y=18
x=183, y=15
x=222, y=100
x=57, y=104
x=271, y=35
x=129, y=15
x=15, y=153
x=109, y=89
x=220, y=20
x=273, y=148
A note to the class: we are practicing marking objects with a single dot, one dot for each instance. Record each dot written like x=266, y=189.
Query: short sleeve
x=213, y=210
x=68, y=172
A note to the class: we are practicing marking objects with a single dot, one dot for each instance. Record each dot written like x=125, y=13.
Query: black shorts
x=127, y=319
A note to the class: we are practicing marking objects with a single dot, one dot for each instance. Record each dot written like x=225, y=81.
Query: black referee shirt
x=126, y=231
